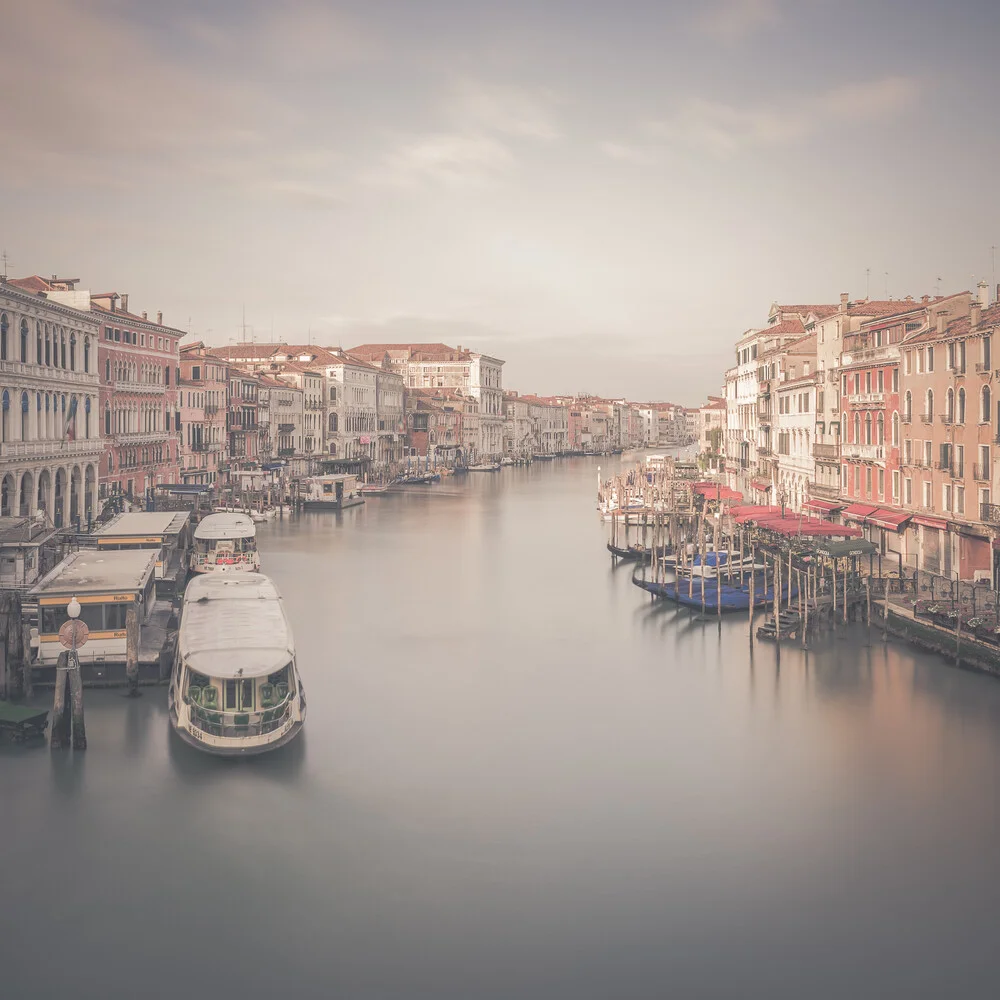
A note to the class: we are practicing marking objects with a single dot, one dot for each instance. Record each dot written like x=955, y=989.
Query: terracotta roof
x=412, y=352
x=880, y=308
x=788, y=327
x=821, y=311
x=254, y=351
x=33, y=284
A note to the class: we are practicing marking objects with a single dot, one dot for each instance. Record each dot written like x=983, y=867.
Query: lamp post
x=73, y=634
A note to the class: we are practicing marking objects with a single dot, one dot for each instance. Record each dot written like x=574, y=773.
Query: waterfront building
x=242, y=424
x=202, y=391
x=438, y=366
x=433, y=421
x=139, y=361
x=949, y=422
x=285, y=404
x=550, y=425
x=520, y=437
x=50, y=429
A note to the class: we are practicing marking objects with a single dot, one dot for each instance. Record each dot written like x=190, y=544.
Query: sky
x=603, y=194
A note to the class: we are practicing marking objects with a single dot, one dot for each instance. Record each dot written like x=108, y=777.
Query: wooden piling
x=59, y=728
x=132, y=651
x=76, y=696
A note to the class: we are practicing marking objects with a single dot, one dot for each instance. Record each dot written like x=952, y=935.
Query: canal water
x=518, y=778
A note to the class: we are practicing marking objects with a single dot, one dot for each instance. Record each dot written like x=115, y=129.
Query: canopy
x=855, y=547
x=890, y=519
x=822, y=506
x=803, y=524
x=930, y=522
x=752, y=512
x=859, y=511
x=716, y=491
x=760, y=484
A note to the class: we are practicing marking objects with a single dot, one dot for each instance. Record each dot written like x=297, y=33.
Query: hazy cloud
x=507, y=110
x=731, y=20
x=444, y=158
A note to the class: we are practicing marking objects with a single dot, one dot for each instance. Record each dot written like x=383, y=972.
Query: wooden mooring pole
x=132, y=651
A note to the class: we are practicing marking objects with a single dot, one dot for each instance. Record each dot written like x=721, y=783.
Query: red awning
x=799, y=524
x=760, y=484
x=823, y=506
x=931, y=522
x=890, y=519
x=858, y=511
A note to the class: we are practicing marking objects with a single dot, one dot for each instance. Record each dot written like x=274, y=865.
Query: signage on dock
x=74, y=633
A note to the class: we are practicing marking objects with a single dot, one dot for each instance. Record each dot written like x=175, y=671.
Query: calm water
x=518, y=779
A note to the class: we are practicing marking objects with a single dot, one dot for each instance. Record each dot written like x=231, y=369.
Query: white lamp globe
x=73, y=608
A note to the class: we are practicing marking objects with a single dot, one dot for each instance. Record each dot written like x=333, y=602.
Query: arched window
x=107, y=420
x=4, y=327
x=107, y=370
x=857, y=428
x=880, y=428
x=5, y=427
x=949, y=405
x=111, y=461
x=86, y=421
x=86, y=354
x=48, y=346
x=929, y=404
x=908, y=407
x=39, y=350
x=24, y=340
x=333, y=423
x=984, y=405
x=868, y=428
x=960, y=415
x=24, y=416
x=895, y=429
x=72, y=352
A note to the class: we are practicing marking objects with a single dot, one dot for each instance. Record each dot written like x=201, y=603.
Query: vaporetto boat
x=235, y=690
x=227, y=541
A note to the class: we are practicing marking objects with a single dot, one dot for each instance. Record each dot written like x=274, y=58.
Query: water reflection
x=521, y=778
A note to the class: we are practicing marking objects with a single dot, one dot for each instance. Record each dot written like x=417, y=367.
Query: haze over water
x=518, y=778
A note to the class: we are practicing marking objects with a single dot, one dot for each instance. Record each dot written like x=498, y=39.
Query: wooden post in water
x=753, y=587
x=718, y=574
x=805, y=606
x=868, y=607
x=958, y=629
x=777, y=603
x=703, y=545
x=59, y=729
x=846, y=575
x=76, y=697
x=132, y=650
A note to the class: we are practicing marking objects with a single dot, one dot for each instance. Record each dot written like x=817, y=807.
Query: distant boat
x=688, y=593
x=637, y=553
x=373, y=489
x=485, y=467
x=420, y=479
x=332, y=492
x=543, y=458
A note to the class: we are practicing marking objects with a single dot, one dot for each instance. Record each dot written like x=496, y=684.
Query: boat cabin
x=168, y=533
x=234, y=689
x=330, y=492
x=107, y=584
x=225, y=541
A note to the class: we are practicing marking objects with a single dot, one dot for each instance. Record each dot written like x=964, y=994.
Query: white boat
x=234, y=689
x=257, y=516
x=485, y=467
x=225, y=541
x=333, y=492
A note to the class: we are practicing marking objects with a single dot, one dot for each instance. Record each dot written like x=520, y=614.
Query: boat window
x=53, y=616
x=92, y=615
x=114, y=615
x=281, y=677
x=230, y=702
x=194, y=679
x=246, y=695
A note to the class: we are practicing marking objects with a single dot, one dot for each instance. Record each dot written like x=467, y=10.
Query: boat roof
x=140, y=523
x=216, y=526
x=234, y=625
x=96, y=571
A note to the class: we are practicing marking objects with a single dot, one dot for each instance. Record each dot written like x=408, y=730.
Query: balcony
x=763, y=388
x=826, y=452
x=905, y=418
x=864, y=452
x=869, y=354
x=981, y=473
x=143, y=437
x=123, y=385
x=49, y=373
x=824, y=490
x=982, y=368
x=927, y=418
x=50, y=449
x=866, y=398
x=211, y=409
x=286, y=452
x=764, y=452
x=946, y=418
x=956, y=372
x=990, y=513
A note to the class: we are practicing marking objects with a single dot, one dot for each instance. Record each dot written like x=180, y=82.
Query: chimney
x=144, y=314
x=125, y=302
x=159, y=317
x=843, y=301
x=909, y=298
x=984, y=294
x=925, y=299
x=975, y=314
x=940, y=322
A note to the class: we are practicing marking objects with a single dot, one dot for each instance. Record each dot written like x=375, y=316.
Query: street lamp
x=73, y=608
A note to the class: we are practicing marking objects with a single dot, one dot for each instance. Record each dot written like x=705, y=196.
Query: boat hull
x=733, y=599
x=329, y=505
